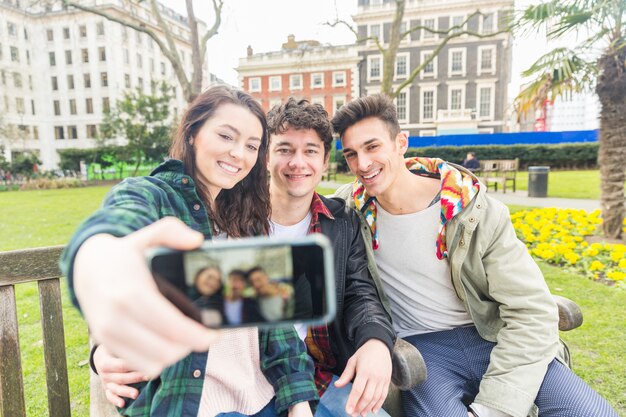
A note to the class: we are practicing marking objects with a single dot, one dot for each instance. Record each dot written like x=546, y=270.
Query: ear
x=402, y=141
x=326, y=160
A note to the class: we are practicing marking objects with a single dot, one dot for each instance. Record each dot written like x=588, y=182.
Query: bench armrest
x=570, y=315
x=409, y=368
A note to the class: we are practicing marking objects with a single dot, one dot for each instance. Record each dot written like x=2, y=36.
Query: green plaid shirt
x=138, y=202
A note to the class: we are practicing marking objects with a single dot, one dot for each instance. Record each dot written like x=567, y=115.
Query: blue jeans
x=333, y=402
x=268, y=411
x=457, y=360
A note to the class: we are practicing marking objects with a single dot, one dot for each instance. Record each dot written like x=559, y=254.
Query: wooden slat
x=29, y=265
x=54, y=347
x=11, y=384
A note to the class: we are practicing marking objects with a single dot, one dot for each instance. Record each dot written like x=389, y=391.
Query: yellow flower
x=616, y=275
x=596, y=266
x=571, y=257
x=622, y=263
x=616, y=256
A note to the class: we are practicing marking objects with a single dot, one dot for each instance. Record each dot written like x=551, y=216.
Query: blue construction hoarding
x=529, y=138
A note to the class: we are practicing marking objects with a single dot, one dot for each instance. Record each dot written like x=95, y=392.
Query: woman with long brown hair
x=216, y=186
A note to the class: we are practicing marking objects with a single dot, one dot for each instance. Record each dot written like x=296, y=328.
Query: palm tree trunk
x=612, y=151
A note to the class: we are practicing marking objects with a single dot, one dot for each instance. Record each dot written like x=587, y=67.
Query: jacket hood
x=458, y=188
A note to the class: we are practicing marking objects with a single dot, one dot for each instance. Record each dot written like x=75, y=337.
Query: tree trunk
x=612, y=150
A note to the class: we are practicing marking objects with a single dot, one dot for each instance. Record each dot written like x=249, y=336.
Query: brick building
x=324, y=74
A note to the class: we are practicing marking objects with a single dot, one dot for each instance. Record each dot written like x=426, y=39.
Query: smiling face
x=296, y=163
x=226, y=147
x=373, y=155
x=208, y=281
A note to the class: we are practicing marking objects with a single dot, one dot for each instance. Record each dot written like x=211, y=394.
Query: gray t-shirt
x=418, y=285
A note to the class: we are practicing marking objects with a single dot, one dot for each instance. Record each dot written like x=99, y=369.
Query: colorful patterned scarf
x=457, y=190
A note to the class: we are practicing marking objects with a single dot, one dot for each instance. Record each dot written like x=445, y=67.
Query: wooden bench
x=498, y=172
x=41, y=265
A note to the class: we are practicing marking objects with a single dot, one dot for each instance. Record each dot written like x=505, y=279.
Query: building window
x=138, y=37
x=374, y=32
x=19, y=105
x=3, y=76
x=428, y=105
x=106, y=105
x=456, y=58
x=430, y=69
x=487, y=23
x=403, y=30
x=89, y=106
x=12, y=30
x=0, y=51
x=104, y=79
x=127, y=80
x=402, y=65
x=402, y=107
x=85, y=55
x=56, y=104
x=126, y=57
x=32, y=110
x=50, y=35
x=295, y=81
x=92, y=131
x=428, y=133
x=82, y=29
x=55, y=84
x=456, y=98
x=338, y=101
x=66, y=33
x=72, y=132
x=72, y=106
x=100, y=28
x=59, y=133
x=317, y=80
x=374, y=68
x=456, y=24
x=162, y=68
x=140, y=82
x=52, y=58
x=102, y=53
x=15, y=55
x=68, y=57
x=487, y=62
x=431, y=24
x=276, y=83
x=485, y=101
x=318, y=100
x=35, y=131
x=17, y=80
x=151, y=65
x=339, y=79
x=87, y=80
x=70, y=82
x=139, y=61
x=30, y=82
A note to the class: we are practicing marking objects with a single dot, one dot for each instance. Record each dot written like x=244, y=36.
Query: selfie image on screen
x=241, y=285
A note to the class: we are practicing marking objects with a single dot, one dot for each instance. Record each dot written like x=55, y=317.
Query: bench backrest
x=499, y=165
x=17, y=267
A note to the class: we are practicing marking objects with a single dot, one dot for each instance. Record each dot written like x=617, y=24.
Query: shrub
x=51, y=184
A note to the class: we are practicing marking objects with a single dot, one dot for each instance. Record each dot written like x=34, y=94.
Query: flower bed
x=557, y=236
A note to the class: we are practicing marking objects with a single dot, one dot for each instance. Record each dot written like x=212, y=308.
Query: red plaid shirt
x=317, y=338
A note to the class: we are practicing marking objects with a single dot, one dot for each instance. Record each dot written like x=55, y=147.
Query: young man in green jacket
x=463, y=289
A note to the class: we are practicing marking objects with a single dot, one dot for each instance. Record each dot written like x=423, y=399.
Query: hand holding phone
x=250, y=282
x=122, y=304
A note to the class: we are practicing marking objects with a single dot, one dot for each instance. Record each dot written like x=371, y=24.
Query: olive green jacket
x=505, y=294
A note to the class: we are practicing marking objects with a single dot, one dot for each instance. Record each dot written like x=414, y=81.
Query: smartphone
x=259, y=281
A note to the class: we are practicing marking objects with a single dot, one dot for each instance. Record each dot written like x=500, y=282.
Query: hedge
x=563, y=156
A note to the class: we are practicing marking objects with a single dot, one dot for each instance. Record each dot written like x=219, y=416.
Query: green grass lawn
x=40, y=218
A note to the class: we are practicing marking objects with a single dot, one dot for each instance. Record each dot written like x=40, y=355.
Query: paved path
x=521, y=198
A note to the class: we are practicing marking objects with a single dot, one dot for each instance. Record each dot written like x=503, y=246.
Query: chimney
x=249, y=50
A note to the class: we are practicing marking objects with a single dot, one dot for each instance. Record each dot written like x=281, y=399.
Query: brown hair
x=377, y=105
x=301, y=115
x=243, y=210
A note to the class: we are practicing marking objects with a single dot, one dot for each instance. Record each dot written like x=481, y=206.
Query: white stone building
x=60, y=68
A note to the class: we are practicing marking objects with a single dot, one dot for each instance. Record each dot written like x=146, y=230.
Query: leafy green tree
x=144, y=120
x=576, y=68
x=25, y=163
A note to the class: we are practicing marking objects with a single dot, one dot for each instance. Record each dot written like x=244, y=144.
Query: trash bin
x=538, y=181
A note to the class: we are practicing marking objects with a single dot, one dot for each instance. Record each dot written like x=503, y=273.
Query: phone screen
x=250, y=282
